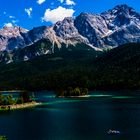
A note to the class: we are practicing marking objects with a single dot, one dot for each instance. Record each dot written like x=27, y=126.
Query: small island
x=24, y=100
x=72, y=92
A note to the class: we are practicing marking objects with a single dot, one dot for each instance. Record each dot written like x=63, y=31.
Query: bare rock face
x=93, y=27
x=112, y=28
x=124, y=24
x=67, y=31
x=109, y=29
x=10, y=38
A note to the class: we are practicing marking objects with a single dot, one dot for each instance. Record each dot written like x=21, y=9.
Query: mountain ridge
x=109, y=29
x=114, y=69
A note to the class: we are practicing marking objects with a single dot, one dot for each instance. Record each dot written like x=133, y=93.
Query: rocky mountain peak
x=119, y=16
x=6, y=30
x=67, y=31
x=91, y=26
x=11, y=37
x=120, y=9
x=124, y=10
x=123, y=7
x=65, y=28
x=109, y=29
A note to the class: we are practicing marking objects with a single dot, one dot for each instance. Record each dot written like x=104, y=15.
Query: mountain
x=119, y=67
x=37, y=73
x=112, y=28
x=114, y=69
x=11, y=38
x=109, y=29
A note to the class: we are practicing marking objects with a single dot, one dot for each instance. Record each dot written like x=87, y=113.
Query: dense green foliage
x=7, y=100
x=48, y=71
x=72, y=92
x=115, y=69
x=3, y=138
x=120, y=67
x=24, y=97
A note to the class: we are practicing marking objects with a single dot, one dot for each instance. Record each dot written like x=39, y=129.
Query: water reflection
x=75, y=119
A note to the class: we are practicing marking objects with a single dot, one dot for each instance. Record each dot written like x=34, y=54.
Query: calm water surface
x=76, y=119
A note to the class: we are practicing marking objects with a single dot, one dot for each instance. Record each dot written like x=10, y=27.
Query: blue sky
x=32, y=13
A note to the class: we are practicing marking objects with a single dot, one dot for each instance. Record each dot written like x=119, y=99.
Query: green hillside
x=116, y=69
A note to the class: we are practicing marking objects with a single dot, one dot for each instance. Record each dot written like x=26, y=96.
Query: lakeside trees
x=24, y=97
x=3, y=138
x=6, y=100
x=69, y=92
x=115, y=69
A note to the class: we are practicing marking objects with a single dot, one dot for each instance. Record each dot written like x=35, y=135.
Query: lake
x=76, y=119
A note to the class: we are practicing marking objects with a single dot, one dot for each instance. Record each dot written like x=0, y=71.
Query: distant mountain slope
x=112, y=28
x=115, y=69
x=120, y=67
x=41, y=47
x=37, y=73
x=124, y=53
x=109, y=29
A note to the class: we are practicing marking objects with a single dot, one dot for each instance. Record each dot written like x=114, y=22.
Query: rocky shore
x=18, y=106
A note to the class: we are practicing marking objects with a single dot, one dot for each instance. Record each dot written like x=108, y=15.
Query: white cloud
x=14, y=21
x=11, y=17
x=70, y=2
x=8, y=24
x=52, y=3
x=57, y=14
x=29, y=11
x=61, y=1
x=41, y=1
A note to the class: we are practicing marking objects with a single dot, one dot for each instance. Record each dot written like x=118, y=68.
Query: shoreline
x=18, y=106
x=82, y=96
x=3, y=91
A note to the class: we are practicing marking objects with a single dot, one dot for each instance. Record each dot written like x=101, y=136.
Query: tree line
x=115, y=69
x=23, y=97
x=69, y=92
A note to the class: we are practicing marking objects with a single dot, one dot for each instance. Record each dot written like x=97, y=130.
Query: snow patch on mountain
x=109, y=29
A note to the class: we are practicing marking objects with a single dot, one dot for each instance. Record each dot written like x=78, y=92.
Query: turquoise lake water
x=76, y=119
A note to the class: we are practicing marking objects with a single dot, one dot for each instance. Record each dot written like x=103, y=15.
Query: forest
x=118, y=68
x=23, y=97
